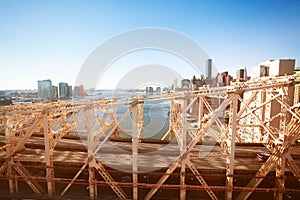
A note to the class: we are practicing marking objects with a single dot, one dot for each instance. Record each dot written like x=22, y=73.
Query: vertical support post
x=10, y=142
x=183, y=149
x=16, y=182
x=48, y=139
x=12, y=181
x=231, y=152
x=171, y=117
x=182, y=181
x=137, y=127
x=279, y=182
x=184, y=124
x=200, y=111
x=296, y=94
x=200, y=114
x=141, y=119
x=280, y=165
x=91, y=149
x=114, y=107
x=263, y=114
x=92, y=183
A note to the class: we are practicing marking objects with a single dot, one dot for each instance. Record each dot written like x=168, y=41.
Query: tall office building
x=175, y=83
x=208, y=68
x=82, y=92
x=54, y=91
x=69, y=91
x=150, y=90
x=245, y=74
x=45, y=88
x=240, y=75
x=63, y=90
x=76, y=91
x=158, y=90
x=79, y=91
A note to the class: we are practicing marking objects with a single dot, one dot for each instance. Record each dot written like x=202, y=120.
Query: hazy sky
x=52, y=39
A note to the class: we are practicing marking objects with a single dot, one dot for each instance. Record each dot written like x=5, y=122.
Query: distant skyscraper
x=79, y=91
x=45, y=88
x=76, y=91
x=158, y=90
x=63, y=90
x=245, y=74
x=175, y=84
x=150, y=90
x=82, y=92
x=226, y=78
x=219, y=80
x=240, y=75
x=185, y=83
x=54, y=91
x=208, y=68
x=69, y=91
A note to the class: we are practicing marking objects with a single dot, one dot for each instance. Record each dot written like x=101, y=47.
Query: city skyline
x=42, y=40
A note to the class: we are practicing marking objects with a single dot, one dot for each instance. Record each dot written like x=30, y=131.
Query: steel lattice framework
x=241, y=113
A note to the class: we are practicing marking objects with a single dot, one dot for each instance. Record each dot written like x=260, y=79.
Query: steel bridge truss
x=219, y=113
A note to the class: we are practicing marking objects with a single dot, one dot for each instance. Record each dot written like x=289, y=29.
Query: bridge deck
x=118, y=153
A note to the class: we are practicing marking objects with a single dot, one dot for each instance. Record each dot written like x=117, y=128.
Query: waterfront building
x=76, y=91
x=45, y=88
x=150, y=90
x=69, y=91
x=158, y=90
x=63, y=90
x=82, y=91
x=79, y=91
x=54, y=91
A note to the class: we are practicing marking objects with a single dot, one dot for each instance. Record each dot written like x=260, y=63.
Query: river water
x=156, y=115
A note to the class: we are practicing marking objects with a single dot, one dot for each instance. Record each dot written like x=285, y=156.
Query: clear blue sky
x=52, y=39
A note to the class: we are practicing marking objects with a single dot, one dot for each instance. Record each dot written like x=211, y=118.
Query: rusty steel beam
x=21, y=143
x=202, y=181
x=74, y=178
x=293, y=166
x=48, y=139
x=108, y=178
x=35, y=186
x=231, y=150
